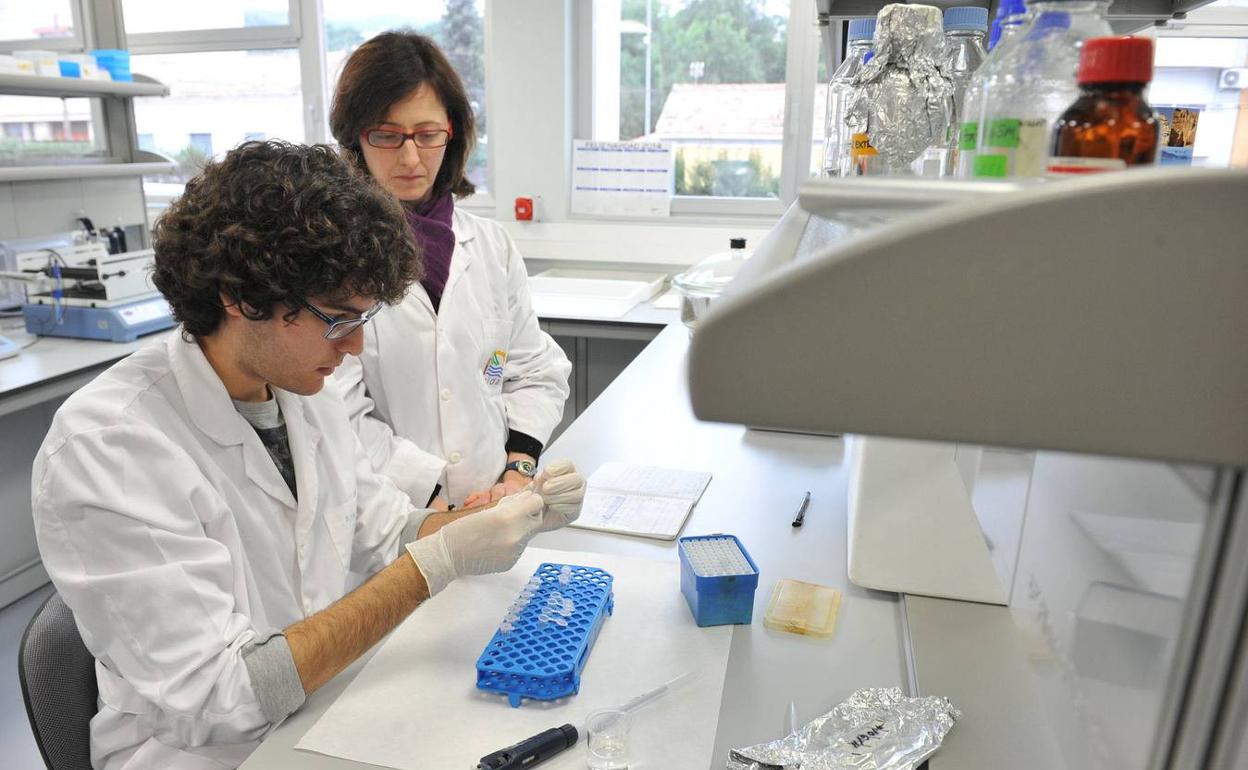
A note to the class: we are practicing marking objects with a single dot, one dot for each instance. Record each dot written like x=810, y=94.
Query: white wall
x=528, y=53
x=530, y=58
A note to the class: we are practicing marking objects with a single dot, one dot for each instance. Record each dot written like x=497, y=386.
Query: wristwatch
x=523, y=467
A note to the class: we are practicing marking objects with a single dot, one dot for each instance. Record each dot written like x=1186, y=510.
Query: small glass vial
x=1110, y=126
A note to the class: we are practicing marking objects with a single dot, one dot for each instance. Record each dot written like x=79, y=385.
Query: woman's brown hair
x=387, y=69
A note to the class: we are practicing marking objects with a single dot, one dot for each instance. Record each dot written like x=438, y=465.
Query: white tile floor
x=17, y=747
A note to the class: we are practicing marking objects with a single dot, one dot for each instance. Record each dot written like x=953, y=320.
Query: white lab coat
x=169, y=532
x=426, y=395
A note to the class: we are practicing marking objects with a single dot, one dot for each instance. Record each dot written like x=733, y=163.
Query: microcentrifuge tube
x=560, y=622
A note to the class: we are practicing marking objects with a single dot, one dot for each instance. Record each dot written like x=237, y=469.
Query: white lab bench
x=759, y=478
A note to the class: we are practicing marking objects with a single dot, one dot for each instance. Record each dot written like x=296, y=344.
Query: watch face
x=523, y=467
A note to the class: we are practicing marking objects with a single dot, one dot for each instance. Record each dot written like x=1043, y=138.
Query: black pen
x=801, y=510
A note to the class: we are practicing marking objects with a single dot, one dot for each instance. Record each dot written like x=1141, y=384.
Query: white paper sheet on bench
x=415, y=705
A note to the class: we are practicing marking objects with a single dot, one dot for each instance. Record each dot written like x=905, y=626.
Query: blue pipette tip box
x=543, y=661
x=718, y=579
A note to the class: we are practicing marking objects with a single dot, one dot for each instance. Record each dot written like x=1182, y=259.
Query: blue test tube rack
x=544, y=660
x=724, y=593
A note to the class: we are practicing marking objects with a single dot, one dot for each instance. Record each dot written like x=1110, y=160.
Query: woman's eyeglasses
x=424, y=139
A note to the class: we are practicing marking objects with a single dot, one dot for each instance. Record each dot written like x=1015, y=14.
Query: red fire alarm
x=524, y=209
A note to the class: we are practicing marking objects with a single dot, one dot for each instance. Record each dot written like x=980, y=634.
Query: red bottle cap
x=1116, y=60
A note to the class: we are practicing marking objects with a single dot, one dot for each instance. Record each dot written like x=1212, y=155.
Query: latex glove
x=479, y=543
x=563, y=491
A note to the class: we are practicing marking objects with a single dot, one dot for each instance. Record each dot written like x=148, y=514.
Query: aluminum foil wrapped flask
x=873, y=729
x=903, y=102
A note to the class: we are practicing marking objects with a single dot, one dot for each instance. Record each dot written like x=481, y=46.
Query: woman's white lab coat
x=434, y=395
x=170, y=533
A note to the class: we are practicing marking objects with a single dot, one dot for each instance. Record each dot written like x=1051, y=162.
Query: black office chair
x=58, y=685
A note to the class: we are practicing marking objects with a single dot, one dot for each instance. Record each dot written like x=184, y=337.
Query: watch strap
x=523, y=467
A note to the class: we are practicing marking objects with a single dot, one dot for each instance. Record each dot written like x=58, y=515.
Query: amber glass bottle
x=1110, y=125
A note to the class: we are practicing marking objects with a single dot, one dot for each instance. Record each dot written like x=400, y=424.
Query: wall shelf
x=81, y=171
x=39, y=85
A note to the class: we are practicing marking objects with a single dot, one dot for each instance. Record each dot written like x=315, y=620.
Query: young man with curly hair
x=200, y=504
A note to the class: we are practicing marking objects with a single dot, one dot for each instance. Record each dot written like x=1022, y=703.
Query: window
x=44, y=20
x=143, y=16
x=262, y=89
x=458, y=26
x=202, y=143
x=38, y=129
x=707, y=76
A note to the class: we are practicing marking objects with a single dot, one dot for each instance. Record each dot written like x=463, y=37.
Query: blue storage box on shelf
x=718, y=579
x=70, y=69
x=116, y=61
x=529, y=657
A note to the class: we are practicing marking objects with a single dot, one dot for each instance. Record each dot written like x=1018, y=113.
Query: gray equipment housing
x=1090, y=337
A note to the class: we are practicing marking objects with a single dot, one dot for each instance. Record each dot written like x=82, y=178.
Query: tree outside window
x=717, y=70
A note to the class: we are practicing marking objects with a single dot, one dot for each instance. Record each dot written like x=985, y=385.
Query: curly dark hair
x=275, y=222
x=388, y=68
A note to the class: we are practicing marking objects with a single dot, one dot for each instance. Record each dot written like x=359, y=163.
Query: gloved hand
x=563, y=491
x=479, y=543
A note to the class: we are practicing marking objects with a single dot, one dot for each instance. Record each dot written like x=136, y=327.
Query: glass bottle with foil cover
x=1110, y=126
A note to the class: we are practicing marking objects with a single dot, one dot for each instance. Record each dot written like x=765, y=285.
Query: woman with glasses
x=457, y=389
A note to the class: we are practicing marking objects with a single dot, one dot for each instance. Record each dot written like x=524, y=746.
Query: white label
x=152, y=310
x=1033, y=147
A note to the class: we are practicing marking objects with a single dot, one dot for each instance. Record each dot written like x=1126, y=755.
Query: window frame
x=483, y=203
x=801, y=67
x=83, y=23
x=75, y=44
x=305, y=33
x=220, y=39
x=307, y=39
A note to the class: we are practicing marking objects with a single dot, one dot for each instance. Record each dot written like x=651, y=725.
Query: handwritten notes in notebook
x=641, y=499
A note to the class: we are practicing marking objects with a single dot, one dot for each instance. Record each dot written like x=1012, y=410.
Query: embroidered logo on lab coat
x=494, y=367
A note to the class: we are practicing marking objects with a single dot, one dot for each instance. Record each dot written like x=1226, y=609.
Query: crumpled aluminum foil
x=903, y=100
x=873, y=729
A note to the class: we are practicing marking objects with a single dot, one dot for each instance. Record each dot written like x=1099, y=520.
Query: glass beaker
x=607, y=739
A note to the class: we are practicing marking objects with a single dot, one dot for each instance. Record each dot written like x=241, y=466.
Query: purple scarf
x=431, y=226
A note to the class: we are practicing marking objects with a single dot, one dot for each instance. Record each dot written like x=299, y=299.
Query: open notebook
x=641, y=499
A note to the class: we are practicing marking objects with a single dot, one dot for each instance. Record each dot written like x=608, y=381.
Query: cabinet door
x=605, y=359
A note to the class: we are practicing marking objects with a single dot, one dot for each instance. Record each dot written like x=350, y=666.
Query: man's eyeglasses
x=340, y=327
x=424, y=139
